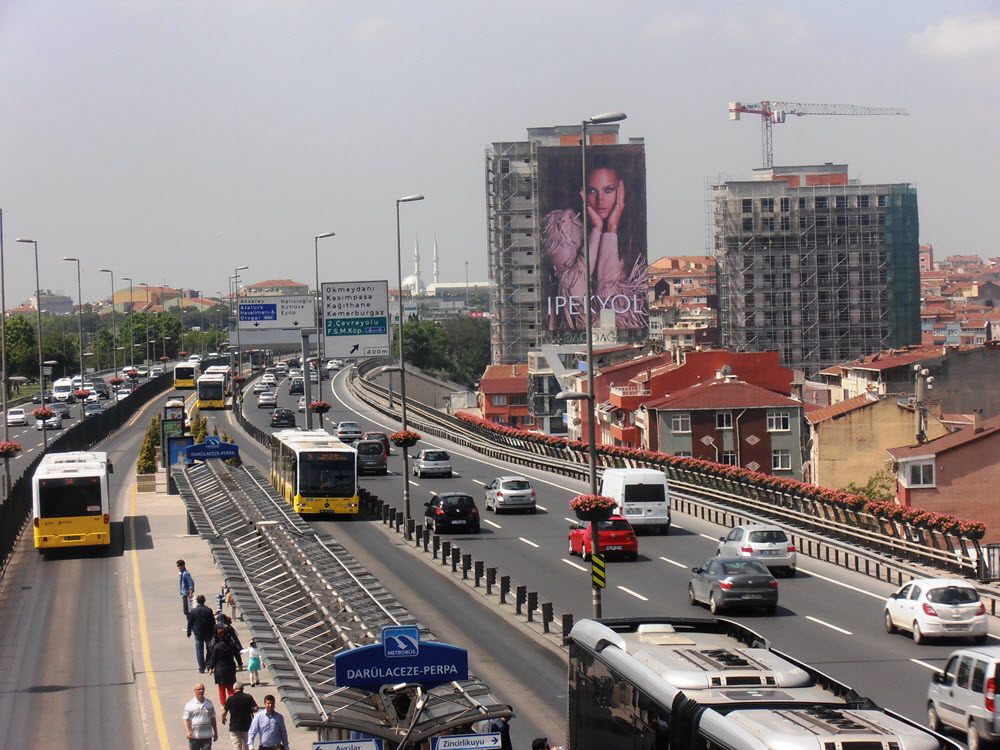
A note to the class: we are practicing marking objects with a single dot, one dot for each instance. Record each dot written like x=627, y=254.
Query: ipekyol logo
x=400, y=641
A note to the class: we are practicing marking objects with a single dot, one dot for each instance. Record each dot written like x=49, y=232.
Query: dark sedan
x=282, y=418
x=452, y=511
x=724, y=582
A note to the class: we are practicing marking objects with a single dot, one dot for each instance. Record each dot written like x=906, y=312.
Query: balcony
x=629, y=397
x=627, y=434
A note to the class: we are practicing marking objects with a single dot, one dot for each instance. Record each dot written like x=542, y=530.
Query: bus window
x=323, y=474
x=72, y=496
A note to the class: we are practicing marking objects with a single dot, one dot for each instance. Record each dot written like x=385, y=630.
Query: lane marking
x=633, y=593
x=478, y=482
x=710, y=538
x=574, y=565
x=542, y=507
x=925, y=664
x=673, y=562
x=147, y=661
x=414, y=484
x=491, y=523
x=872, y=594
x=528, y=542
x=571, y=520
x=828, y=625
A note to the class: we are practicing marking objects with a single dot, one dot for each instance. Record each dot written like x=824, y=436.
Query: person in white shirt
x=199, y=721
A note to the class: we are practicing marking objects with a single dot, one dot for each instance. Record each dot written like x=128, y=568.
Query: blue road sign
x=466, y=742
x=211, y=448
x=373, y=744
x=401, y=657
x=253, y=312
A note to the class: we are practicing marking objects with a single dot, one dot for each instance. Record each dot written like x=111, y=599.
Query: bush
x=146, y=463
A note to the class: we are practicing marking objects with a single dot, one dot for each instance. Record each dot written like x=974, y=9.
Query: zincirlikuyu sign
x=401, y=657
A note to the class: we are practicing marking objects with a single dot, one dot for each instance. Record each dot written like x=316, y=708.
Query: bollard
x=567, y=624
x=427, y=538
x=532, y=604
x=504, y=588
x=466, y=566
x=445, y=551
x=399, y=521
x=479, y=571
x=546, y=616
x=520, y=596
x=456, y=555
x=491, y=579
x=418, y=534
x=409, y=529
x=437, y=546
x=386, y=513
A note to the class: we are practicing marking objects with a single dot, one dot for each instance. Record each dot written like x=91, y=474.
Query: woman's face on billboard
x=602, y=190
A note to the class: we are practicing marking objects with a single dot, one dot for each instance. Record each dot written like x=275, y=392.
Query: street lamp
x=79, y=298
x=319, y=300
x=114, y=332
x=402, y=362
x=236, y=289
x=145, y=324
x=38, y=310
x=131, y=324
x=3, y=355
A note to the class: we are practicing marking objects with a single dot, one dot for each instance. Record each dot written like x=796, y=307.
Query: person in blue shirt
x=268, y=726
x=187, y=586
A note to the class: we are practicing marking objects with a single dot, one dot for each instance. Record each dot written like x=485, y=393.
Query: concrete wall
x=422, y=387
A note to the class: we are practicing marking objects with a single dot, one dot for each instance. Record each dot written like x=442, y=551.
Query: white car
x=937, y=607
x=123, y=393
x=268, y=379
x=348, y=432
x=16, y=417
x=433, y=462
x=302, y=403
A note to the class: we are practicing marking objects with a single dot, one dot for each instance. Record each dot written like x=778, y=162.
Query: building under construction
x=815, y=266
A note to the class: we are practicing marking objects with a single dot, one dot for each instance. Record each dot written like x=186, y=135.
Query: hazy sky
x=174, y=140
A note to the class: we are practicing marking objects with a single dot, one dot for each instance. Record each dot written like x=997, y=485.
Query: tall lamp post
x=131, y=325
x=41, y=363
x=236, y=290
x=79, y=299
x=3, y=356
x=402, y=362
x=145, y=327
x=319, y=301
x=114, y=332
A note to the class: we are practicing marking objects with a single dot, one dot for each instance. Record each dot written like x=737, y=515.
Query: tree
x=880, y=486
x=468, y=349
x=22, y=347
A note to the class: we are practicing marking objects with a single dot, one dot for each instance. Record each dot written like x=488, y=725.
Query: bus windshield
x=69, y=496
x=327, y=474
x=210, y=390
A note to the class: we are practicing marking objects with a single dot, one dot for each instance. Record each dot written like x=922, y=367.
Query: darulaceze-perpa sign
x=401, y=657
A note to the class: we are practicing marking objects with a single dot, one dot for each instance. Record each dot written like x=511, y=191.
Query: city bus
x=212, y=391
x=225, y=372
x=314, y=472
x=70, y=500
x=186, y=375
x=713, y=684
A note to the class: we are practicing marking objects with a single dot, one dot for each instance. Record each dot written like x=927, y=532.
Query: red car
x=381, y=437
x=614, y=536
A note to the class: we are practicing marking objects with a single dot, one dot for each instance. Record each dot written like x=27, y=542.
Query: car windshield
x=953, y=595
x=768, y=536
x=517, y=484
x=457, y=501
x=435, y=456
x=616, y=524
x=741, y=568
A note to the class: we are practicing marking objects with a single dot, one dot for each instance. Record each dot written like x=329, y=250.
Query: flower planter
x=599, y=514
x=404, y=443
x=145, y=482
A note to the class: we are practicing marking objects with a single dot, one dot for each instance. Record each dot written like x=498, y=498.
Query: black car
x=296, y=385
x=36, y=397
x=282, y=418
x=724, y=582
x=452, y=511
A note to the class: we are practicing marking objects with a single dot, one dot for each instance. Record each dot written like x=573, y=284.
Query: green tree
x=880, y=486
x=22, y=347
x=425, y=343
x=468, y=349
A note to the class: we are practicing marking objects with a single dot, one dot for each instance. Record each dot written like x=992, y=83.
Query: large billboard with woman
x=616, y=224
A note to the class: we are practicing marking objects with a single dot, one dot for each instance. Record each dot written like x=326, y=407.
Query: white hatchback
x=16, y=417
x=937, y=607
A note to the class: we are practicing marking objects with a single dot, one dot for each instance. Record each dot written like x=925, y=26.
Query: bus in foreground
x=212, y=391
x=70, y=500
x=186, y=375
x=314, y=472
x=713, y=684
x=226, y=374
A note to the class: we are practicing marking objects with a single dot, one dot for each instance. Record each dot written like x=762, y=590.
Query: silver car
x=432, y=462
x=16, y=417
x=961, y=697
x=763, y=542
x=510, y=493
x=348, y=432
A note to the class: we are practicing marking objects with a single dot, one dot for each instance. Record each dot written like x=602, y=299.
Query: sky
x=174, y=140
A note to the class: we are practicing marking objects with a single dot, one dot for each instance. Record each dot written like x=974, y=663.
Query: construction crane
x=775, y=112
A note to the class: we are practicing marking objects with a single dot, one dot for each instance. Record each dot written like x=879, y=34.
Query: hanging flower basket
x=42, y=413
x=8, y=448
x=239, y=379
x=319, y=407
x=164, y=359
x=115, y=382
x=593, y=507
x=81, y=394
x=182, y=354
x=405, y=438
x=132, y=375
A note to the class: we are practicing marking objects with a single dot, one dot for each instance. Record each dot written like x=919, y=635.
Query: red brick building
x=503, y=395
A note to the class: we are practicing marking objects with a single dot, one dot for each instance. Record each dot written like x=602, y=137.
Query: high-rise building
x=818, y=267
x=533, y=193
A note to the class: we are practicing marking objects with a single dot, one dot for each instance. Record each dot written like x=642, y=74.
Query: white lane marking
x=678, y=526
x=414, y=484
x=633, y=593
x=673, y=562
x=478, y=482
x=872, y=594
x=711, y=538
x=494, y=525
x=527, y=541
x=574, y=565
x=542, y=507
x=828, y=625
x=925, y=664
x=571, y=520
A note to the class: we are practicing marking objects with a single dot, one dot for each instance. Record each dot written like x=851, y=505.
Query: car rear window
x=517, y=484
x=435, y=456
x=370, y=449
x=617, y=524
x=953, y=595
x=740, y=568
x=644, y=493
x=768, y=535
x=458, y=501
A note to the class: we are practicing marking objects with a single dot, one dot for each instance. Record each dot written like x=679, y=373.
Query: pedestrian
x=187, y=586
x=201, y=623
x=501, y=724
x=239, y=710
x=542, y=743
x=222, y=663
x=199, y=721
x=268, y=726
x=253, y=661
x=229, y=633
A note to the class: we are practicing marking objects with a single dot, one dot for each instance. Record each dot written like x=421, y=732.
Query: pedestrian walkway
x=166, y=669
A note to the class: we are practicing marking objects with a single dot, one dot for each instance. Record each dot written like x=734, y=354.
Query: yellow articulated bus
x=226, y=374
x=212, y=391
x=186, y=375
x=315, y=472
x=70, y=500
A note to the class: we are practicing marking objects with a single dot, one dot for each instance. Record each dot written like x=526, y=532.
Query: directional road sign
x=367, y=744
x=355, y=318
x=467, y=742
x=258, y=313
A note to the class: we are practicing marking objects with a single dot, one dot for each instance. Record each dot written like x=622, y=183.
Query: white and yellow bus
x=212, y=391
x=314, y=472
x=226, y=374
x=70, y=500
x=186, y=375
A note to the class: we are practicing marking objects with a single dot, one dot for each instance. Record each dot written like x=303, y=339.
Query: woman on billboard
x=614, y=286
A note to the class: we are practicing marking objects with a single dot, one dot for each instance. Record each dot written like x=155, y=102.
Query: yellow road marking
x=147, y=662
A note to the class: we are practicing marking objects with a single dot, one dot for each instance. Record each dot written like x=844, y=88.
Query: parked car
x=17, y=417
x=381, y=437
x=282, y=418
x=937, y=607
x=267, y=400
x=451, y=510
x=90, y=409
x=371, y=457
x=614, y=536
x=55, y=422
x=510, y=493
x=962, y=696
x=296, y=385
x=348, y=432
x=768, y=544
x=723, y=582
x=432, y=462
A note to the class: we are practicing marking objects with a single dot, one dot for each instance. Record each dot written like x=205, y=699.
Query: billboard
x=616, y=222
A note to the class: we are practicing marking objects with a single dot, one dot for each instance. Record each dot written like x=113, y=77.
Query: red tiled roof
x=723, y=394
x=504, y=378
x=948, y=442
x=844, y=407
x=274, y=283
x=889, y=360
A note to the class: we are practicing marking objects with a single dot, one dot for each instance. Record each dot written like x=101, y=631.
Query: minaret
x=436, y=279
x=416, y=258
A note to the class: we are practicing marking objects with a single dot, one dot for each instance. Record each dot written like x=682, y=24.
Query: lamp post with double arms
x=236, y=289
x=3, y=358
x=79, y=299
x=145, y=327
x=319, y=302
x=114, y=332
x=402, y=361
x=41, y=363
x=131, y=325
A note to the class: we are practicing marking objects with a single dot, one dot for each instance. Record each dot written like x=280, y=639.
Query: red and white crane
x=775, y=112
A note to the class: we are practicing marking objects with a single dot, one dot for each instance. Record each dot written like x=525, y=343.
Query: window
x=863, y=201
x=723, y=420
x=767, y=205
x=920, y=474
x=748, y=205
x=786, y=223
x=883, y=201
x=785, y=205
x=683, y=454
x=777, y=421
x=781, y=459
x=729, y=458
x=748, y=225
x=821, y=202
x=680, y=423
x=499, y=400
x=964, y=668
x=978, y=677
x=841, y=201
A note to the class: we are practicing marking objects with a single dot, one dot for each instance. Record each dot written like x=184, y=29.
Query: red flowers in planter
x=9, y=448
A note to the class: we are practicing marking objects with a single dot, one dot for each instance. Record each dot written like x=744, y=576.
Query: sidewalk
x=166, y=669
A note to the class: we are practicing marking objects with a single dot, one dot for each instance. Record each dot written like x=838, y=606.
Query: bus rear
x=185, y=375
x=212, y=392
x=70, y=501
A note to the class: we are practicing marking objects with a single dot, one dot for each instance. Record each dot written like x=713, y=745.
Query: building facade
x=820, y=268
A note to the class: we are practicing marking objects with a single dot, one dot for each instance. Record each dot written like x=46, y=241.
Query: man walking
x=187, y=586
x=199, y=721
x=239, y=710
x=201, y=622
x=268, y=726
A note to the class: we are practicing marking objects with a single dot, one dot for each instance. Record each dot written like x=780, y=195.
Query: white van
x=643, y=497
x=62, y=390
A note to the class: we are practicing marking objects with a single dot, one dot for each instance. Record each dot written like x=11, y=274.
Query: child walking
x=253, y=661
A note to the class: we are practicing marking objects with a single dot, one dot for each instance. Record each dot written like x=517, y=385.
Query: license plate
x=72, y=538
x=458, y=520
x=750, y=596
x=612, y=547
x=771, y=552
x=956, y=627
x=633, y=512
